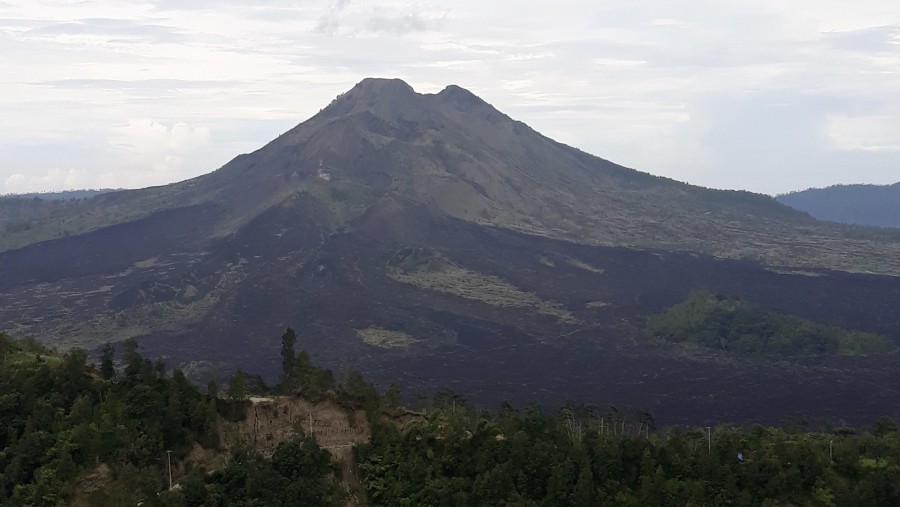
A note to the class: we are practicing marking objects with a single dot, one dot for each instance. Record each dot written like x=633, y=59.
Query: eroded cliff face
x=270, y=421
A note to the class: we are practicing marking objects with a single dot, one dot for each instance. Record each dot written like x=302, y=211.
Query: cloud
x=401, y=24
x=116, y=29
x=864, y=133
x=683, y=88
x=144, y=152
x=145, y=136
x=138, y=84
x=156, y=152
x=330, y=22
x=56, y=178
x=881, y=39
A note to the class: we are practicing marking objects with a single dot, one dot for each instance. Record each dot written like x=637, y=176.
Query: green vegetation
x=431, y=270
x=299, y=375
x=73, y=435
x=741, y=327
x=298, y=473
x=69, y=436
x=384, y=338
x=460, y=457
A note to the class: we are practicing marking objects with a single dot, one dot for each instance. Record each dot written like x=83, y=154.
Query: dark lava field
x=518, y=355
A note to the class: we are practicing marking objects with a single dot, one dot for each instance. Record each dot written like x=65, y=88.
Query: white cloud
x=148, y=137
x=864, y=133
x=330, y=22
x=156, y=152
x=61, y=179
x=617, y=63
x=646, y=83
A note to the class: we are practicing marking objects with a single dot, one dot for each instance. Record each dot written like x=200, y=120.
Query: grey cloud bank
x=764, y=96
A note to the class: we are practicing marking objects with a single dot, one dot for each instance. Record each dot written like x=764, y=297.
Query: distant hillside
x=873, y=205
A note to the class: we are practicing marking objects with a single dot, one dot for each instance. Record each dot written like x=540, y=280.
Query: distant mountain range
x=433, y=240
x=873, y=205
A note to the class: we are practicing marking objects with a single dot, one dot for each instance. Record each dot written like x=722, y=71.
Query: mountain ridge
x=454, y=151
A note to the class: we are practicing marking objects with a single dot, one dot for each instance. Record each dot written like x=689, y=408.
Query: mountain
x=431, y=239
x=457, y=155
x=873, y=205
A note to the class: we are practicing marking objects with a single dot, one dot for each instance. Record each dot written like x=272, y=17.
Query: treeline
x=460, y=457
x=78, y=434
x=738, y=326
x=73, y=433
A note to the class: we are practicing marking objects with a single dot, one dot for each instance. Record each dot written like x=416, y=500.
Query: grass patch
x=385, y=339
x=430, y=270
x=583, y=265
x=147, y=263
x=546, y=261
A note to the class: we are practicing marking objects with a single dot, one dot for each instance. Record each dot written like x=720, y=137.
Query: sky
x=763, y=95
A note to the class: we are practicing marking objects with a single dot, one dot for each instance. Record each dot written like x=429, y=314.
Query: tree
x=288, y=361
x=392, y=397
x=212, y=389
x=131, y=358
x=107, y=367
x=237, y=386
x=6, y=347
x=885, y=425
x=71, y=378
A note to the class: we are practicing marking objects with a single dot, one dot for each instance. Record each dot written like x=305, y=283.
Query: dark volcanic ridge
x=433, y=240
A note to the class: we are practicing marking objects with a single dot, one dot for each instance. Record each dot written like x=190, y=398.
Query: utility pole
x=709, y=440
x=312, y=432
x=831, y=451
x=169, y=466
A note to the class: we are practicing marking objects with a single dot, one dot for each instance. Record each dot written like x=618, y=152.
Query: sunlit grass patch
x=384, y=338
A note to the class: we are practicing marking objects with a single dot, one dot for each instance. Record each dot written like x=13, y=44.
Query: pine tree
x=237, y=386
x=288, y=361
x=107, y=368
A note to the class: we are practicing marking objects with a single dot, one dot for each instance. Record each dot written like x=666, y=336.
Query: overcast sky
x=763, y=95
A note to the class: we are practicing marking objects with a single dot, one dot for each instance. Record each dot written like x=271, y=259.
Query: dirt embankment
x=270, y=421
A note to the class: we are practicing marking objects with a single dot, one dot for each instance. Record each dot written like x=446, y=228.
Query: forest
x=79, y=433
x=73, y=433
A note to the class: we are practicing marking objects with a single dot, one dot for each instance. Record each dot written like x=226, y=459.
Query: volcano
x=432, y=240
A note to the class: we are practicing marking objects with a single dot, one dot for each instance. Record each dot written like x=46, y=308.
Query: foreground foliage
x=72, y=433
x=78, y=434
x=458, y=457
x=298, y=473
x=738, y=326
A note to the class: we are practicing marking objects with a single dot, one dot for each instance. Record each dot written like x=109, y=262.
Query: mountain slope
x=873, y=205
x=433, y=240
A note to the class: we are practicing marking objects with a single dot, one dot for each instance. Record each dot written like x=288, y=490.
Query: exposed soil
x=270, y=421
